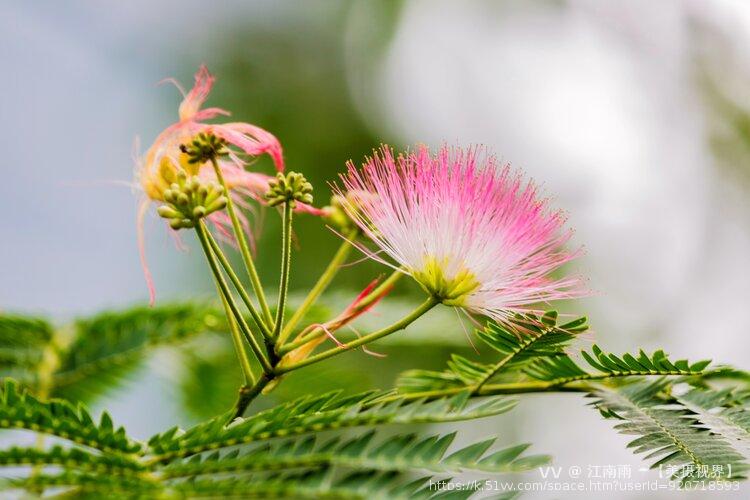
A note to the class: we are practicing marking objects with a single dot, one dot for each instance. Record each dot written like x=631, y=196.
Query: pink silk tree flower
x=159, y=167
x=471, y=232
x=164, y=157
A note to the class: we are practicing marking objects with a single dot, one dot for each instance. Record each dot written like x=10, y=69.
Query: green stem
x=247, y=257
x=322, y=283
x=201, y=231
x=248, y=394
x=379, y=290
x=216, y=249
x=399, y=325
x=577, y=383
x=286, y=262
x=365, y=302
x=46, y=384
x=486, y=390
x=247, y=370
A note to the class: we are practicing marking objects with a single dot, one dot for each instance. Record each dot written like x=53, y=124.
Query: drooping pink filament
x=460, y=210
x=243, y=138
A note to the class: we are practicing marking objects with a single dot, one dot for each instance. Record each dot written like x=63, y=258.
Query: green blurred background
x=312, y=114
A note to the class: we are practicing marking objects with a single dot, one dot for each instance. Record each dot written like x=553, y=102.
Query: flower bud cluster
x=190, y=199
x=204, y=147
x=289, y=188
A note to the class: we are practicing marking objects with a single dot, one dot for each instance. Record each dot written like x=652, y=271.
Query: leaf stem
x=565, y=384
x=399, y=325
x=45, y=385
x=365, y=302
x=486, y=390
x=286, y=262
x=320, y=286
x=247, y=257
x=201, y=232
x=525, y=344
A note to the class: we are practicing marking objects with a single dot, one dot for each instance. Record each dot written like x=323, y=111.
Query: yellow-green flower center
x=451, y=291
x=158, y=178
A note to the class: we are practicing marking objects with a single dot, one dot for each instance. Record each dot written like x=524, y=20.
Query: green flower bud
x=204, y=147
x=181, y=224
x=289, y=188
x=189, y=200
x=168, y=212
x=218, y=204
x=183, y=199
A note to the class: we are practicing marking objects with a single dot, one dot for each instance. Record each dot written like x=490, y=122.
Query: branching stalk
x=286, y=261
x=237, y=285
x=399, y=325
x=247, y=257
x=248, y=394
x=247, y=370
x=212, y=261
x=364, y=303
x=325, y=279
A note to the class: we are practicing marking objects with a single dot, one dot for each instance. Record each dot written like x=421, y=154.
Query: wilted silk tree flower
x=165, y=161
x=472, y=233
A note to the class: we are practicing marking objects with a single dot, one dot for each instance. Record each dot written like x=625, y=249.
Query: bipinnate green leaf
x=94, y=355
x=24, y=332
x=526, y=339
x=395, y=453
x=315, y=414
x=723, y=412
x=76, y=458
x=24, y=341
x=669, y=433
x=108, y=346
x=20, y=410
x=562, y=369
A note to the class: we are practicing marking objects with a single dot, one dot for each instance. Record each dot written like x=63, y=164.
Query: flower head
x=289, y=188
x=157, y=170
x=169, y=159
x=472, y=233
